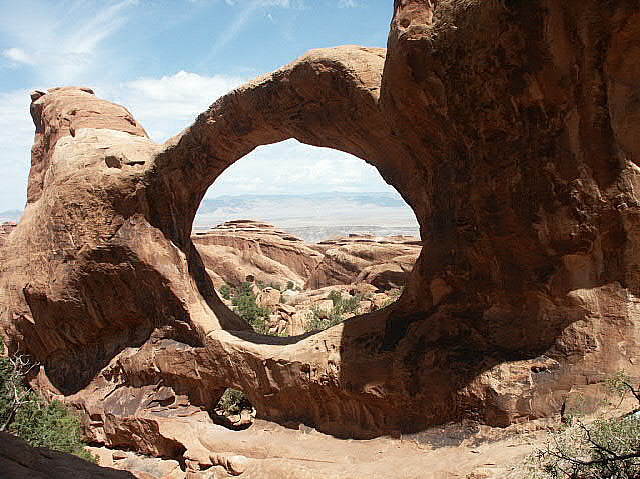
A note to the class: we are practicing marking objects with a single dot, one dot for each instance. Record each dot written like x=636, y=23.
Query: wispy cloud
x=348, y=4
x=248, y=9
x=61, y=41
x=17, y=55
x=16, y=136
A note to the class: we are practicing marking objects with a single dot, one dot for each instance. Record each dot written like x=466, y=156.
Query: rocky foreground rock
x=509, y=127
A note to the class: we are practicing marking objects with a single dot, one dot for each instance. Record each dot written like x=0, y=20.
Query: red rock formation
x=237, y=249
x=384, y=262
x=6, y=229
x=507, y=126
x=20, y=461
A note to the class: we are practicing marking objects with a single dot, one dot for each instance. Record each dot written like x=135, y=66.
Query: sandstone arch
x=507, y=126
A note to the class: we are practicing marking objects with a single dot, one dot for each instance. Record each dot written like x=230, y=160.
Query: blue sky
x=167, y=60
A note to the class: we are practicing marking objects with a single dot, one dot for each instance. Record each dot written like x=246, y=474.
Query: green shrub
x=225, y=291
x=52, y=425
x=244, y=303
x=341, y=307
x=12, y=391
x=233, y=402
x=290, y=285
x=316, y=323
x=24, y=413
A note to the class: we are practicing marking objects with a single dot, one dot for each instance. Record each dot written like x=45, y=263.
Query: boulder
x=268, y=298
x=18, y=460
x=380, y=261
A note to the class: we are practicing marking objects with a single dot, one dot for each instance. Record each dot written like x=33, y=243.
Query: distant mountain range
x=10, y=215
x=244, y=202
x=313, y=217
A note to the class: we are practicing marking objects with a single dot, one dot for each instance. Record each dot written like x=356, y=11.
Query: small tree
x=13, y=394
x=604, y=449
x=233, y=402
x=244, y=303
x=24, y=413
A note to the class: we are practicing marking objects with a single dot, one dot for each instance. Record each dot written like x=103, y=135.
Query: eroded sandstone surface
x=295, y=281
x=5, y=230
x=235, y=250
x=20, y=461
x=509, y=127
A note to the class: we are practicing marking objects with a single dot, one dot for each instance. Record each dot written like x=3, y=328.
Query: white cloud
x=293, y=167
x=16, y=136
x=163, y=105
x=249, y=8
x=18, y=55
x=169, y=104
x=63, y=40
x=347, y=4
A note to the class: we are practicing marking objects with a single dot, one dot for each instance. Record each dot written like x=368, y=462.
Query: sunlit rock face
x=5, y=230
x=510, y=129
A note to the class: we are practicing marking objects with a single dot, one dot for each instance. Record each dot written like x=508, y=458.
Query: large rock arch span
x=509, y=129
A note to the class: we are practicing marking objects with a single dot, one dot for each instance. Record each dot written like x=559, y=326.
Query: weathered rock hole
x=309, y=258
x=113, y=161
x=234, y=410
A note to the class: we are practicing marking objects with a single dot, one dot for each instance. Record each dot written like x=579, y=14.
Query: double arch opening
x=288, y=288
x=297, y=262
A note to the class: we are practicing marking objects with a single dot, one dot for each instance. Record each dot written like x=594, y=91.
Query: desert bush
x=225, y=291
x=341, y=307
x=24, y=413
x=233, y=402
x=52, y=425
x=244, y=303
x=607, y=448
x=315, y=321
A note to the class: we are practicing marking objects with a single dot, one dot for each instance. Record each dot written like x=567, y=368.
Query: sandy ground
x=276, y=452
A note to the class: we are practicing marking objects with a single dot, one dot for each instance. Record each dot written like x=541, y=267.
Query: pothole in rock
x=234, y=410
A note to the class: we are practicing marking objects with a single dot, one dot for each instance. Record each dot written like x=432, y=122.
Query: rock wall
x=18, y=460
x=509, y=128
x=5, y=230
x=237, y=249
x=384, y=262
